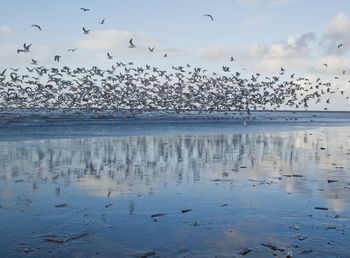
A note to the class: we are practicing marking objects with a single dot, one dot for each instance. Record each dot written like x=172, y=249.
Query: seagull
x=103, y=21
x=86, y=31
x=109, y=56
x=71, y=49
x=57, y=58
x=282, y=71
x=232, y=59
x=151, y=49
x=165, y=55
x=131, y=44
x=26, y=48
x=325, y=65
x=37, y=26
x=340, y=45
x=84, y=9
x=210, y=16
x=3, y=72
x=34, y=62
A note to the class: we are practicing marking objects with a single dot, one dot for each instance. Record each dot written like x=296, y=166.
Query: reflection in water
x=200, y=169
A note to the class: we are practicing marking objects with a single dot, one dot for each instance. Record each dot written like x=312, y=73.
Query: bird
x=36, y=26
x=209, y=15
x=34, y=62
x=71, y=49
x=325, y=65
x=109, y=56
x=282, y=71
x=3, y=72
x=165, y=55
x=131, y=44
x=151, y=49
x=57, y=58
x=232, y=59
x=340, y=45
x=103, y=21
x=86, y=31
x=25, y=48
x=84, y=9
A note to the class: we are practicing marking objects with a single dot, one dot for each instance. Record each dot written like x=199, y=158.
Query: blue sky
x=177, y=25
x=262, y=35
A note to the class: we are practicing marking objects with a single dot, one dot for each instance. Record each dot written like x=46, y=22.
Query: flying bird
x=25, y=48
x=209, y=15
x=3, y=72
x=103, y=21
x=131, y=44
x=151, y=49
x=57, y=58
x=165, y=55
x=71, y=49
x=109, y=56
x=86, y=31
x=325, y=65
x=232, y=59
x=34, y=62
x=340, y=45
x=84, y=9
x=36, y=26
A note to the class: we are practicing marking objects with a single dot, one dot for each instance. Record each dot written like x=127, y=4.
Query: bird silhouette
x=209, y=15
x=86, y=31
x=36, y=26
x=131, y=44
x=57, y=58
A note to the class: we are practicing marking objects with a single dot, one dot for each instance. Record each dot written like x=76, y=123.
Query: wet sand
x=256, y=191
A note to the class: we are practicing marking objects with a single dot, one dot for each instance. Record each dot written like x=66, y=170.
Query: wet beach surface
x=192, y=191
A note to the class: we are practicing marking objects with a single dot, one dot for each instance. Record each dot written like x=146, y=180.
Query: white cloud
x=337, y=31
x=335, y=65
x=292, y=52
x=219, y=52
x=4, y=29
x=113, y=40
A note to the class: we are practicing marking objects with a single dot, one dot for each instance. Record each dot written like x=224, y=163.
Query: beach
x=186, y=187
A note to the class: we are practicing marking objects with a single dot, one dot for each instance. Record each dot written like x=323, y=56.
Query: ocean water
x=174, y=185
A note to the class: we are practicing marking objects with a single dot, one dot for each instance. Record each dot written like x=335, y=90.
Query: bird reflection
x=142, y=164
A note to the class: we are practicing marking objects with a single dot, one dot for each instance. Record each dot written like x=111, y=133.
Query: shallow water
x=95, y=196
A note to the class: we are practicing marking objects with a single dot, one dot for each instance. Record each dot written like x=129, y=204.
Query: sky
x=262, y=35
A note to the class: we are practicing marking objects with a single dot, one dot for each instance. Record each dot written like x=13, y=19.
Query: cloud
x=113, y=40
x=219, y=52
x=292, y=51
x=337, y=31
x=4, y=29
x=335, y=65
x=255, y=20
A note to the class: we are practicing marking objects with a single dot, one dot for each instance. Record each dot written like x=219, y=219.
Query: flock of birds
x=126, y=86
